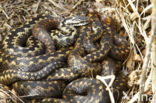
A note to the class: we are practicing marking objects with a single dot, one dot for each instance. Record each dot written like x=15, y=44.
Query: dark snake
x=82, y=59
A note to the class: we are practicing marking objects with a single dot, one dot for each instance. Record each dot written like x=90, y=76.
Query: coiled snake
x=27, y=66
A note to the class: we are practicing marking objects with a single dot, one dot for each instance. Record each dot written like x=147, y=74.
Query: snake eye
x=76, y=20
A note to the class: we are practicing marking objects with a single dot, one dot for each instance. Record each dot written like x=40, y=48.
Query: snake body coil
x=39, y=73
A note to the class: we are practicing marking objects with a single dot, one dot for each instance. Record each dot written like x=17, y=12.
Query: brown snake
x=44, y=71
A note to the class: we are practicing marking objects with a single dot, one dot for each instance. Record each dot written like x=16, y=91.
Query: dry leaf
x=134, y=78
x=137, y=57
x=129, y=63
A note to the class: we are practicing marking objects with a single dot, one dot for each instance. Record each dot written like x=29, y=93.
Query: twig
x=153, y=54
x=4, y=12
x=37, y=5
x=78, y=3
x=147, y=8
x=56, y=5
x=7, y=93
x=133, y=7
x=147, y=57
x=128, y=29
x=102, y=79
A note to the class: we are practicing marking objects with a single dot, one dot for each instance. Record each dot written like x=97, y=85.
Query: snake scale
x=58, y=68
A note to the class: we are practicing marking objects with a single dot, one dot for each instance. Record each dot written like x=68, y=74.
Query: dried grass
x=134, y=15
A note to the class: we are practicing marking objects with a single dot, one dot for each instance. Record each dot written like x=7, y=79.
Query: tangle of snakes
x=55, y=60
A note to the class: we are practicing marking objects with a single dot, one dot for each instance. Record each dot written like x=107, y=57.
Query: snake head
x=76, y=20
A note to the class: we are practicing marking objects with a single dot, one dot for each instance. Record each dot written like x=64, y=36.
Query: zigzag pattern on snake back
x=40, y=66
x=14, y=39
